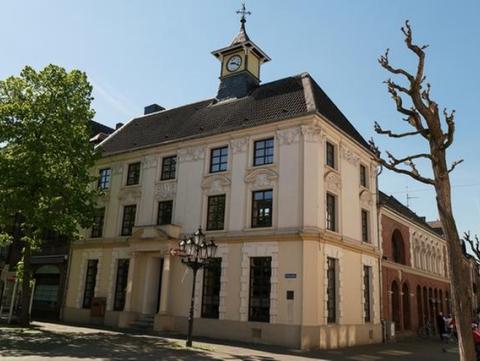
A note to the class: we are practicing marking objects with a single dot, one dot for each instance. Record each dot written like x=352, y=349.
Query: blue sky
x=158, y=51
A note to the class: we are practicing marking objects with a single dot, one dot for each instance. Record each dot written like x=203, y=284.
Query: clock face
x=234, y=63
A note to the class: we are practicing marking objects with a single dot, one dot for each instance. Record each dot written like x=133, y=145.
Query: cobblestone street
x=46, y=341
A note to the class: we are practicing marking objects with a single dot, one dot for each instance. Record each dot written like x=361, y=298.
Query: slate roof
x=394, y=204
x=96, y=128
x=268, y=103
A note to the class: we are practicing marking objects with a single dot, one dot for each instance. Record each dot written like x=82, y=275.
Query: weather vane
x=243, y=12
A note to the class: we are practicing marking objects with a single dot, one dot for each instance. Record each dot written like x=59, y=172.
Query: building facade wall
x=416, y=290
x=298, y=242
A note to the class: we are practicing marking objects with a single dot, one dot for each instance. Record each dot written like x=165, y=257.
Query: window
x=121, y=284
x=133, y=175
x=165, y=212
x=216, y=213
x=367, y=272
x=330, y=151
x=219, y=160
x=365, y=226
x=262, y=208
x=128, y=219
x=331, y=290
x=259, y=302
x=363, y=176
x=331, y=216
x=169, y=167
x=211, y=288
x=90, y=281
x=263, y=152
x=97, y=227
x=398, y=251
x=104, y=178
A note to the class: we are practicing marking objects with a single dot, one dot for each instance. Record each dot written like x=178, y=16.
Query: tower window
x=263, y=152
x=365, y=226
x=104, y=178
x=97, y=227
x=164, y=212
x=331, y=290
x=330, y=155
x=331, y=214
x=216, y=213
x=90, y=281
x=211, y=288
x=128, y=219
x=363, y=176
x=219, y=160
x=169, y=165
x=260, y=274
x=133, y=175
x=262, y=207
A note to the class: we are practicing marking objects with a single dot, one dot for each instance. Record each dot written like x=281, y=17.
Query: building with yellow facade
x=282, y=181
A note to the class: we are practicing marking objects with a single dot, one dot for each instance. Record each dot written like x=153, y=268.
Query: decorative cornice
x=165, y=190
x=349, y=155
x=288, y=136
x=311, y=133
x=366, y=199
x=216, y=184
x=191, y=154
x=239, y=145
x=333, y=181
x=262, y=177
x=149, y=161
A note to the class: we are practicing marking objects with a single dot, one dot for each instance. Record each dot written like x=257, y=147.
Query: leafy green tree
x=45, y=157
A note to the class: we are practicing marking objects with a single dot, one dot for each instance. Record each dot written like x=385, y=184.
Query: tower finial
x=243, y=12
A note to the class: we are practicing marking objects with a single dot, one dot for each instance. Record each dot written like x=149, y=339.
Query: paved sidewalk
x=48, y=341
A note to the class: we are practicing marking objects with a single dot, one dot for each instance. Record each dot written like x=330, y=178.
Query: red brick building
x=415, y=285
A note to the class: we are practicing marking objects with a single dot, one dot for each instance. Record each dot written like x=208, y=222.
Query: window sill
x=331, y=169
x=253, y=229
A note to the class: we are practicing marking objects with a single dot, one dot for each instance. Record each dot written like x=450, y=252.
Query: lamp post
x=196, y=252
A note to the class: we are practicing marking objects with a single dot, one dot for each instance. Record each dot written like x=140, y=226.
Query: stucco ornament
x=288, y=136
x=333, y=181
x=117, y=169
x=259, y=178
x=366, y=198
x=215, y=184
x=166, y=190
x=130, y=195
x=349, y=155
x=239, y=145
x=191, y=154
x=311, y=133
x=150, y=161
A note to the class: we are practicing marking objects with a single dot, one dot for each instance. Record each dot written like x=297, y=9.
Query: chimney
x=118, y=125
x=152, y=108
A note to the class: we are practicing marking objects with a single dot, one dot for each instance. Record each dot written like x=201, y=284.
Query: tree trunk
x=459, y=273
x=24, y=319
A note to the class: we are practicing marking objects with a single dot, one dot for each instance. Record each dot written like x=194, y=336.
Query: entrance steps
x=144, y=323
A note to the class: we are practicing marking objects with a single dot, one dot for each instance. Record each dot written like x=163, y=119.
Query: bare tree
x=474, y=245
x=437, y=130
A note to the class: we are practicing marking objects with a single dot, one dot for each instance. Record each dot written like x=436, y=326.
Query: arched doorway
x=426, y=315
x=419, y=306
x=395, y=305
x=398, y=247
x=406, y=307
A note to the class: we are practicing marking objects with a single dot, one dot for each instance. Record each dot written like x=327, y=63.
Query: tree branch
x=449, y=119
x=474, y=245
x=379, y=130
x=418, y=50
x=385, y=63
x=394, y=162
x=454, y=164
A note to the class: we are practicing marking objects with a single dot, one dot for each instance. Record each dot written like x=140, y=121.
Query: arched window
x=398, y=248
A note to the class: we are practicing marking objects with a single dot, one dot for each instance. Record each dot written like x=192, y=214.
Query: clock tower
x=240, y=64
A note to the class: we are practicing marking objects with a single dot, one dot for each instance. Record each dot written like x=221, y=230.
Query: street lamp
x=196, y=252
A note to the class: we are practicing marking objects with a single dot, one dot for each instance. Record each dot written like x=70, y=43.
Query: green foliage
x=45, y=155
